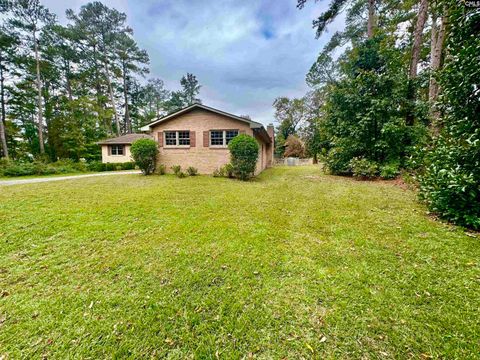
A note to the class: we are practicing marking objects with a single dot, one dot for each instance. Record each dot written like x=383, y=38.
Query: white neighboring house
x=117, y=150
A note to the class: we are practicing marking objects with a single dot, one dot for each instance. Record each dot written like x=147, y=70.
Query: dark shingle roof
x=124, y=139
x=253, y=124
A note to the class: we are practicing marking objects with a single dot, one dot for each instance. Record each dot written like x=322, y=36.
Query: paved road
x=58, y=178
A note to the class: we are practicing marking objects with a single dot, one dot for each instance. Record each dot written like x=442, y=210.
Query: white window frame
x=116, y=146
x=224, y=137
x=177, y=139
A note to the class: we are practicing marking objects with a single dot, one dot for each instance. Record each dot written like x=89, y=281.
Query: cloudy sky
x=245, y=53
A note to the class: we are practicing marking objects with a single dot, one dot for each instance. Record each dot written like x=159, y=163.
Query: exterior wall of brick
x=205, y=158
x=106, y=158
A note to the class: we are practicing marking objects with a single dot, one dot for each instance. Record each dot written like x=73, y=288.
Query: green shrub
x=176, y=169
x=450, y=182
x=192, y=171
x=337, y=162
x=96, y=166
x=161, y=169
x=244, y=154
x=228, y=170
x=389, y=171
x=128, y=165
x=220, y=172
x=110, y=167
x=181, y=174
x=19, y=169
x=3, y=164
x=144, y=152
x=363, y=168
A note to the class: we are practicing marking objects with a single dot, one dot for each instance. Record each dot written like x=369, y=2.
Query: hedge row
x=17, y=168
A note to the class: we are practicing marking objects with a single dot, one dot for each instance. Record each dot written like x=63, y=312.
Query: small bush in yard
x=176, y=169
x=244, y=154
x=220, y=172
x=192, y=171
x=389, y=171
x=363, y=168
x=228, y=170
x=144, y=152
x=161, y=169
x=181, y=174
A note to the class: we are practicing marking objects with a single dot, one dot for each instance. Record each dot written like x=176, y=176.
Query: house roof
x=253, y=124
x=124, y=139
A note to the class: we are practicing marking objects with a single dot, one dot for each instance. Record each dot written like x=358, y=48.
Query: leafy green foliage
x=363, y=111
x=85, y=67
x=220, y=172
x=161, y=169
x=98, y=166
x=363, y=168
x=192, y=171
x=144, y=153
x=22, y=168
x=228, y=170
x=243, y=156
x=389, y=171
x=176, y=169
x=225, y=171
x=451, y=177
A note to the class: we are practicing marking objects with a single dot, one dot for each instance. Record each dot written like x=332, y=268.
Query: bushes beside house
x=98, y=166
x=144, y=153
x=243, y=154
x=25, y=168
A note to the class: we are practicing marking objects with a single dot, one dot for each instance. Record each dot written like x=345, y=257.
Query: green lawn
x=295, y=264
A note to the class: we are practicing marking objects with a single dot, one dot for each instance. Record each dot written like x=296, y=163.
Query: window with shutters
x=177, y=138
x=117, y=150
x=221, y=138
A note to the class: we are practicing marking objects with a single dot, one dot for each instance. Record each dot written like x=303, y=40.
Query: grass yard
x=296, y=264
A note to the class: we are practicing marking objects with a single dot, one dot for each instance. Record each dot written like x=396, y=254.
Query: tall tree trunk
x=371, y=18
x=418, y=37
x=416, y=48
x=39, y=96
x=107, y=125
x=128, y=124
x=438, y=40
x=68, y=83
x=110, y=91
x=3, y=132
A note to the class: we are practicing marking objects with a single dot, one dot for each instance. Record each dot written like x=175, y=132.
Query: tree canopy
x=64, y=87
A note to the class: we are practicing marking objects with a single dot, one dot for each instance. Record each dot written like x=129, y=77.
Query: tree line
x=64, y=87
x=398, y=90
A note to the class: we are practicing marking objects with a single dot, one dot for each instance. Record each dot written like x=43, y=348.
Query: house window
x=222, y=137
x=230, y=134
x=177, y=138
x=183, y=137
x=116, y=149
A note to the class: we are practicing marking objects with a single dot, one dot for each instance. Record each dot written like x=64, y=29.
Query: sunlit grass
x=295, y=264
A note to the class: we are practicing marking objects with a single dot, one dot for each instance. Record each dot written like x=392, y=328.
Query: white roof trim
x=253, y=124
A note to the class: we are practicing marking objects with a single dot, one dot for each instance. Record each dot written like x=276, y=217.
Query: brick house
x=198, y=136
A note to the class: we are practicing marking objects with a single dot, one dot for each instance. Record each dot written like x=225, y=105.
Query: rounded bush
x=244, y=154
x=144, y=153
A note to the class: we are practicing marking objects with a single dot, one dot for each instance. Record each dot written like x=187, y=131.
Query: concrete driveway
x=59, y=178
